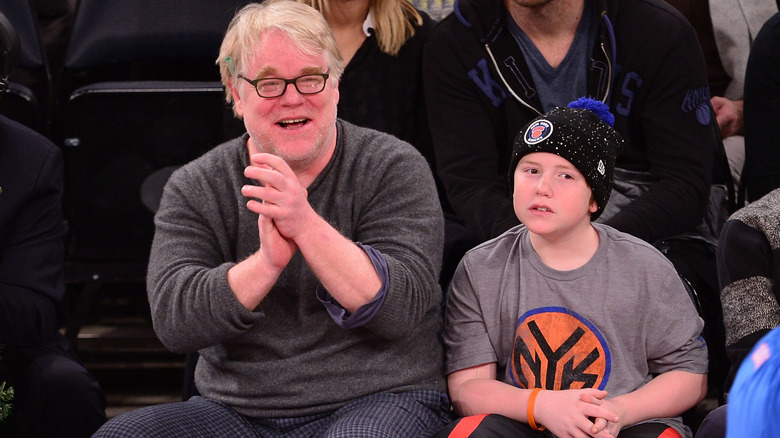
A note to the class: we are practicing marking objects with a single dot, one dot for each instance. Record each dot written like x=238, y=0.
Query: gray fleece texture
x=750, y=299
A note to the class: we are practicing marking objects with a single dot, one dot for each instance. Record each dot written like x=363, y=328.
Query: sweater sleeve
x=366, y=312
x=400, y=217
x=744, y=259
x=191, y=301
x=750, y=307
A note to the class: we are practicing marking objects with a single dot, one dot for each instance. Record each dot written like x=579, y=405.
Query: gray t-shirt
x=610, y=324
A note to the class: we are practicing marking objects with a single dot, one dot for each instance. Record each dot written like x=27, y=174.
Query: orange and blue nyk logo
x=556, y=348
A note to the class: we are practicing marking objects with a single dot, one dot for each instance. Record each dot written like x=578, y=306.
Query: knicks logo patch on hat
x=538, y=131
x=557, y=348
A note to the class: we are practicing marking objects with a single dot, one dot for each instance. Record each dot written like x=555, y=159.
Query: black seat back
x=29, y=86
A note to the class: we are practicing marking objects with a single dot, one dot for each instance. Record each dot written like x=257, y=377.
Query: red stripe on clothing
x=467, y=425
x=669, y=433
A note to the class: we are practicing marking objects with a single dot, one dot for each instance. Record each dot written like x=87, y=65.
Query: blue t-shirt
x=753, y=401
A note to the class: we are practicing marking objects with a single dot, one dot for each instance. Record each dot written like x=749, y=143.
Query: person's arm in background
x=746, y=262
x=31, y=248
x=761, y=174
x=729, y=114
x=675, y=133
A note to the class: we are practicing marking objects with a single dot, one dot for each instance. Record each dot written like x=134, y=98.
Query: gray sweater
x=749, y=274
x=288, y=357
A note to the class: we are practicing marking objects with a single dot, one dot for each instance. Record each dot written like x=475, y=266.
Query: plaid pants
x=402, y=415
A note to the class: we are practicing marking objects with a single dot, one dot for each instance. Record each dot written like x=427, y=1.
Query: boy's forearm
x=668, y=395
x=483, y=396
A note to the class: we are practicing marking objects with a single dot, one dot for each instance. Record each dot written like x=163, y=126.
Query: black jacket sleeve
x=470, y=150
x=669, y=129
x=31, y=238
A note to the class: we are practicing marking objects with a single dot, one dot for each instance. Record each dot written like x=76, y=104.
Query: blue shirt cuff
x=366, y=312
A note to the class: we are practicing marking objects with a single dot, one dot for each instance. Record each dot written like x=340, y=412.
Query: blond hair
x=394, y=21
x=305, y=26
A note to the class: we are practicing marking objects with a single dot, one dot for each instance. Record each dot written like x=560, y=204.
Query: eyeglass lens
x=306, y=84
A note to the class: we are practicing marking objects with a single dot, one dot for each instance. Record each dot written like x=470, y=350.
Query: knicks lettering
x=481, y=76
x=697, y=101
x=631, y=84
x=556, y=348
x=694, y=98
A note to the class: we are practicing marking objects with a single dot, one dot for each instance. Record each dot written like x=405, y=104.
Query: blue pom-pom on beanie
x=597, y=107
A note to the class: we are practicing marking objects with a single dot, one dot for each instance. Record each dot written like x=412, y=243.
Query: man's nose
x=291, y=94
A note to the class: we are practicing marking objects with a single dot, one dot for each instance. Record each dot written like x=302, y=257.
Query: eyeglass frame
x=287, y=82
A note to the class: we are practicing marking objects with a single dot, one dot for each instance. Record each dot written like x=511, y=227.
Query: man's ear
x=238, y=104
x=336, y=94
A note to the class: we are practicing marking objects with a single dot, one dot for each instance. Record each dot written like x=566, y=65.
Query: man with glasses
x=300, y=260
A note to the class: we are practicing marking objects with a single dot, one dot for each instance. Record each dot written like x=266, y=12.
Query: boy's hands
x=602, y=426
x=568, y=413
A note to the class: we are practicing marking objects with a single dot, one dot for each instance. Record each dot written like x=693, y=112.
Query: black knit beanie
x=581, y=133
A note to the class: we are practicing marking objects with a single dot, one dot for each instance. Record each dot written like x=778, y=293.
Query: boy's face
x=552, y=197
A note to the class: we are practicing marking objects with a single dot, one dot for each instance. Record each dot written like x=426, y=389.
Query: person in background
x=493, y=65
x=300, y=260
x=381, y=43
x=753, y=410
x=749, y=274
x=565, y=324
x=437, y=9
x=726, y=30
x=54, y=394
x=382, y=85
x=762, y=113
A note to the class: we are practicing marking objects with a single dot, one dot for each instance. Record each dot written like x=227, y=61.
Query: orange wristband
x=531, y=401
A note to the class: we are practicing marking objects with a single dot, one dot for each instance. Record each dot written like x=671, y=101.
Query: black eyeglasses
x=274, y=87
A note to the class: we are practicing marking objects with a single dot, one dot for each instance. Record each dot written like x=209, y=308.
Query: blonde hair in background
x=304, y=25
x=394, y=21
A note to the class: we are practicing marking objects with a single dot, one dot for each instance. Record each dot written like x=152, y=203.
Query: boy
x=564, y=324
